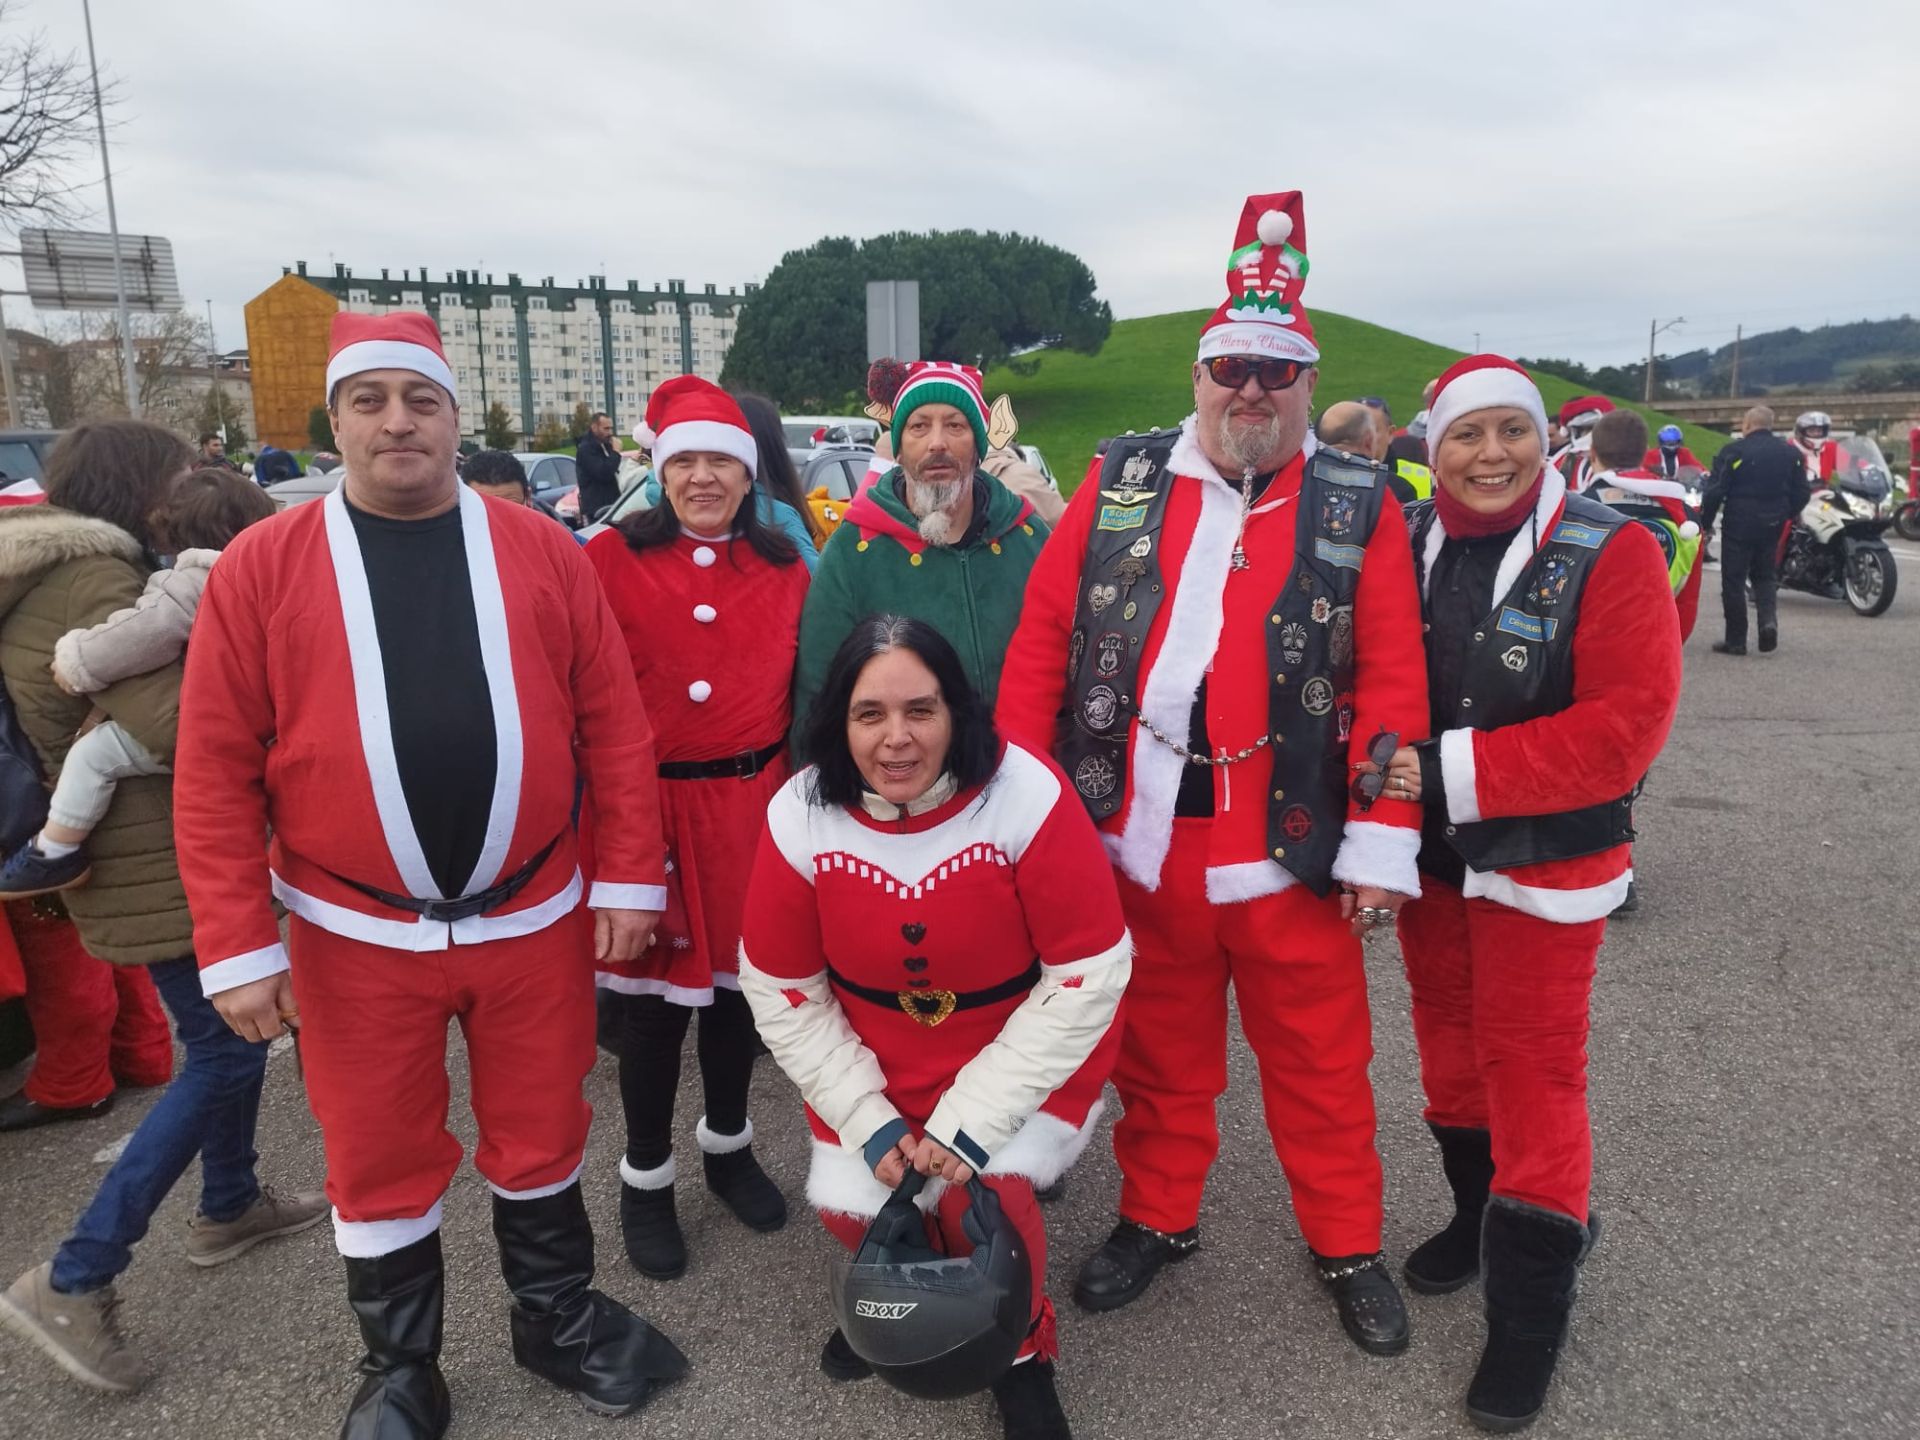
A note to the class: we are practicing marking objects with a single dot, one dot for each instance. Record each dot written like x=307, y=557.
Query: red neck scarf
x=1464, y=523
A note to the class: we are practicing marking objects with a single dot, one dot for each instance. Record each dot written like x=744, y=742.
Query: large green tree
x=803, y=339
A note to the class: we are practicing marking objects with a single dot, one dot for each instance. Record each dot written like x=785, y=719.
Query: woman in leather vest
x=1553, y=652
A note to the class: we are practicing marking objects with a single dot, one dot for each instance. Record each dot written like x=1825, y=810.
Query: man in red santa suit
x=1553, y=652
x=1577, y=419
x=1224, y=622
x=402, y=683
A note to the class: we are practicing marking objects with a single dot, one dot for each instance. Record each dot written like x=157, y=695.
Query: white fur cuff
x=659, y=1178
x=713, y=1143
x=1379, y=855
x=68, y=668
x=1458, y=774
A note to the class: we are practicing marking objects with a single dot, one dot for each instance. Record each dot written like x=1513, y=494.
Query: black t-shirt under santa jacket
x=438, y=704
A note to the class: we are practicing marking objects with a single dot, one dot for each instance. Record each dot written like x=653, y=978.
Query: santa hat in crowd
x=1584, y=411
x=942, y=382
x=688, y=413
x=403, y=340
x=1262, y=317
x=1481, y=382
x=20, y=492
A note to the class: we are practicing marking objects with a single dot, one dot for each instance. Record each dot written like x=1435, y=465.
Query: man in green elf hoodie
x=936, y=538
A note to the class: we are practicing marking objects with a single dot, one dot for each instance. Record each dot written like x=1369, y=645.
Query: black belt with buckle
x=744, y=766
x=464, y=907
x=930, y=1006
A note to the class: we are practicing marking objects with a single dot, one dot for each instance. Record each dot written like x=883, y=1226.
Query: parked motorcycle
x=1834, y=548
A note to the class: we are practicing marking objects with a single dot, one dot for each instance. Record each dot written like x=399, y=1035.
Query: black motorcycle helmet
x=935, y=1326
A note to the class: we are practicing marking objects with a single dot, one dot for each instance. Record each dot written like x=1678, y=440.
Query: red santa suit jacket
x=1213, y=626
x=284, y=726
x=1626, y=688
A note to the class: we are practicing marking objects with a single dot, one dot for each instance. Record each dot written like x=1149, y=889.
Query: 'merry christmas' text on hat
x=942, y=382
x=1262, y=317
x=688, y=413
x=403, y=340
x=1481, y=382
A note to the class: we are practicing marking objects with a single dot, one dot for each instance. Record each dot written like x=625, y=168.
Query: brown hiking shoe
x=214, y=1242
x=80, y=1332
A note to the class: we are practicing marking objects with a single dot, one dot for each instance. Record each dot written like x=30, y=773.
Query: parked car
x=1039, y=462
x=806, y=432
x=310, y=486
x=23, y=453
x=550, y=478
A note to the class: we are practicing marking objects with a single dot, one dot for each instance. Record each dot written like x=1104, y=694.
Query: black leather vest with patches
x=1520, y=667
x=1310, y=643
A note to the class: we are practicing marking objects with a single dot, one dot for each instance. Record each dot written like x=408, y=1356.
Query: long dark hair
x=119, y=471
x=777, y=476
x=646, y=529
x=974, y=751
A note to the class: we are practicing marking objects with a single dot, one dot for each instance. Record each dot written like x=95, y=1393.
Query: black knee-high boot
x=1532, y=1264
x=399, y=1300
x=1452, y=1258
x=564, y=1330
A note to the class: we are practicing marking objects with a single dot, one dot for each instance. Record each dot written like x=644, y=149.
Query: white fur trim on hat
x=365, y=355
x=1484, y=390
x=1258, y=340
x=711, y=435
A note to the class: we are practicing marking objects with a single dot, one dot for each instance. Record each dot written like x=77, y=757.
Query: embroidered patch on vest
x=1121, y=517
x=1129, y=496
x=1076, y=647
x=1337, y=514
x=1340, y=636
x=1099, y=597
x=1551, y=583
x=1112, y=648
x=1100, y=708
x=1343, y=715
x=1527, y=627
x=1572, y=532
x=1296, y=823
x=1293, y=642
x=1094, y=777
x=1347, y=557
x=1316, y=696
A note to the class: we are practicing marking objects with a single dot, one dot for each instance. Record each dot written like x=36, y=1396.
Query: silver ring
x=1371, y=915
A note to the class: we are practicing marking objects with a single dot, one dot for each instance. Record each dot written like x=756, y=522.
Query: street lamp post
x=113, y=226
x=1654, y=328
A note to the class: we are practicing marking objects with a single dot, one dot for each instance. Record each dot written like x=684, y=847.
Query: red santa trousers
x=945, y=1232
x=373, y=1042
x=94, y=1023
x=1500, y=1011
x=1297, y=971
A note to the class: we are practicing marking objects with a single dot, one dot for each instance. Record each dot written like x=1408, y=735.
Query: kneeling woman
x=934, y=952
x=1553, y=657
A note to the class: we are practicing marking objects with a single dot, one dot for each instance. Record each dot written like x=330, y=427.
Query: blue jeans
x=209, y=1110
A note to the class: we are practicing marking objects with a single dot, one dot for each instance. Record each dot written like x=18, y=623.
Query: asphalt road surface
x=1754, y=1088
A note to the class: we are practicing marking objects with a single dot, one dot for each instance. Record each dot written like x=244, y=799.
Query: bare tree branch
x=46, y=125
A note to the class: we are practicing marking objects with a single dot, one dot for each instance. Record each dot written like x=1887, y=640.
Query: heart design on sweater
x=914, y=932
x=915, y=963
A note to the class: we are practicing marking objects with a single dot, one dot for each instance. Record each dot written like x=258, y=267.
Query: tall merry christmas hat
x=404, y=340
x=1481, y=382
x=1583, y=410
x=688, y=413
x=942, y=382
x=1262, y=317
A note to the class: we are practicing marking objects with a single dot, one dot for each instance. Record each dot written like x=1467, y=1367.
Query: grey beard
x=938, y=529
x=1245, y=446
x=928, y=497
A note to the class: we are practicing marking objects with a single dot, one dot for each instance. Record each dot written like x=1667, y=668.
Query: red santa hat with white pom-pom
x=1262, y=317
x=688, y=413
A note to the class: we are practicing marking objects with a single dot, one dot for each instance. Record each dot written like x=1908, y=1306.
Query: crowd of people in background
x=1261, y=689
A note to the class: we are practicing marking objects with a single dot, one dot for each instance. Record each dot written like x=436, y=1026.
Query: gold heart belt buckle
x=929, y=1007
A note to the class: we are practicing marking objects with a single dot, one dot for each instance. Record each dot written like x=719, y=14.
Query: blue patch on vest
x=1527, y=627
x=1354, y=477
x=1348, y=557
x=1121, y=517
x=1572, y=532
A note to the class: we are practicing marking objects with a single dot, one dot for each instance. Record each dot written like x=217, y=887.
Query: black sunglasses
x=1231, y=371
x=1380, y=750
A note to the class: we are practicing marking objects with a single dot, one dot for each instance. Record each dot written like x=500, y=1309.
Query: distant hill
x=1860, y=355
x=1140, y=379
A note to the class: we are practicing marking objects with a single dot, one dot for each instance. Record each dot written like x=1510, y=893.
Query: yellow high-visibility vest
x=1416, y=475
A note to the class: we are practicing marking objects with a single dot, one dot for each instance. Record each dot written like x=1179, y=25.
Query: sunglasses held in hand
x=1380, y=750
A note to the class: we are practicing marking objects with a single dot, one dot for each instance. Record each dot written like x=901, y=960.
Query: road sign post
x=893, y=320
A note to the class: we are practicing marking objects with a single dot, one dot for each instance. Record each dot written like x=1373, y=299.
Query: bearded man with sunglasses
x=1222, y=631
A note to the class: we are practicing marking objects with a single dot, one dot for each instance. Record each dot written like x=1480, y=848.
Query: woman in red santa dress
x=1553, y=659
x=935, y=954
x=708, y=598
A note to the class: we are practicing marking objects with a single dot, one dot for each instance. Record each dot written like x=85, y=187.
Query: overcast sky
x=1506, y=168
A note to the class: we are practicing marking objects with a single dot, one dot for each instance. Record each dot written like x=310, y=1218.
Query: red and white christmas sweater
x=960, y=894
x=284, y=727
x=1626, y=688
x=1214, y=626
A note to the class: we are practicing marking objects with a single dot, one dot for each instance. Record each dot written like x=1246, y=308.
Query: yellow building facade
x=287, y=325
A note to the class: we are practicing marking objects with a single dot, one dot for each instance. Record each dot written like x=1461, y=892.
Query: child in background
x=203, y=512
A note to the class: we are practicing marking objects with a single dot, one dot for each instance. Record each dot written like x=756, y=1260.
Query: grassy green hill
x=1140, y=379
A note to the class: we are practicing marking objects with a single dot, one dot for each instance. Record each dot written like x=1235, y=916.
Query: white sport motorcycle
x=1834, y=548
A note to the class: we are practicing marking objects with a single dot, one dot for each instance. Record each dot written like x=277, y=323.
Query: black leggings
x=650, y=1031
